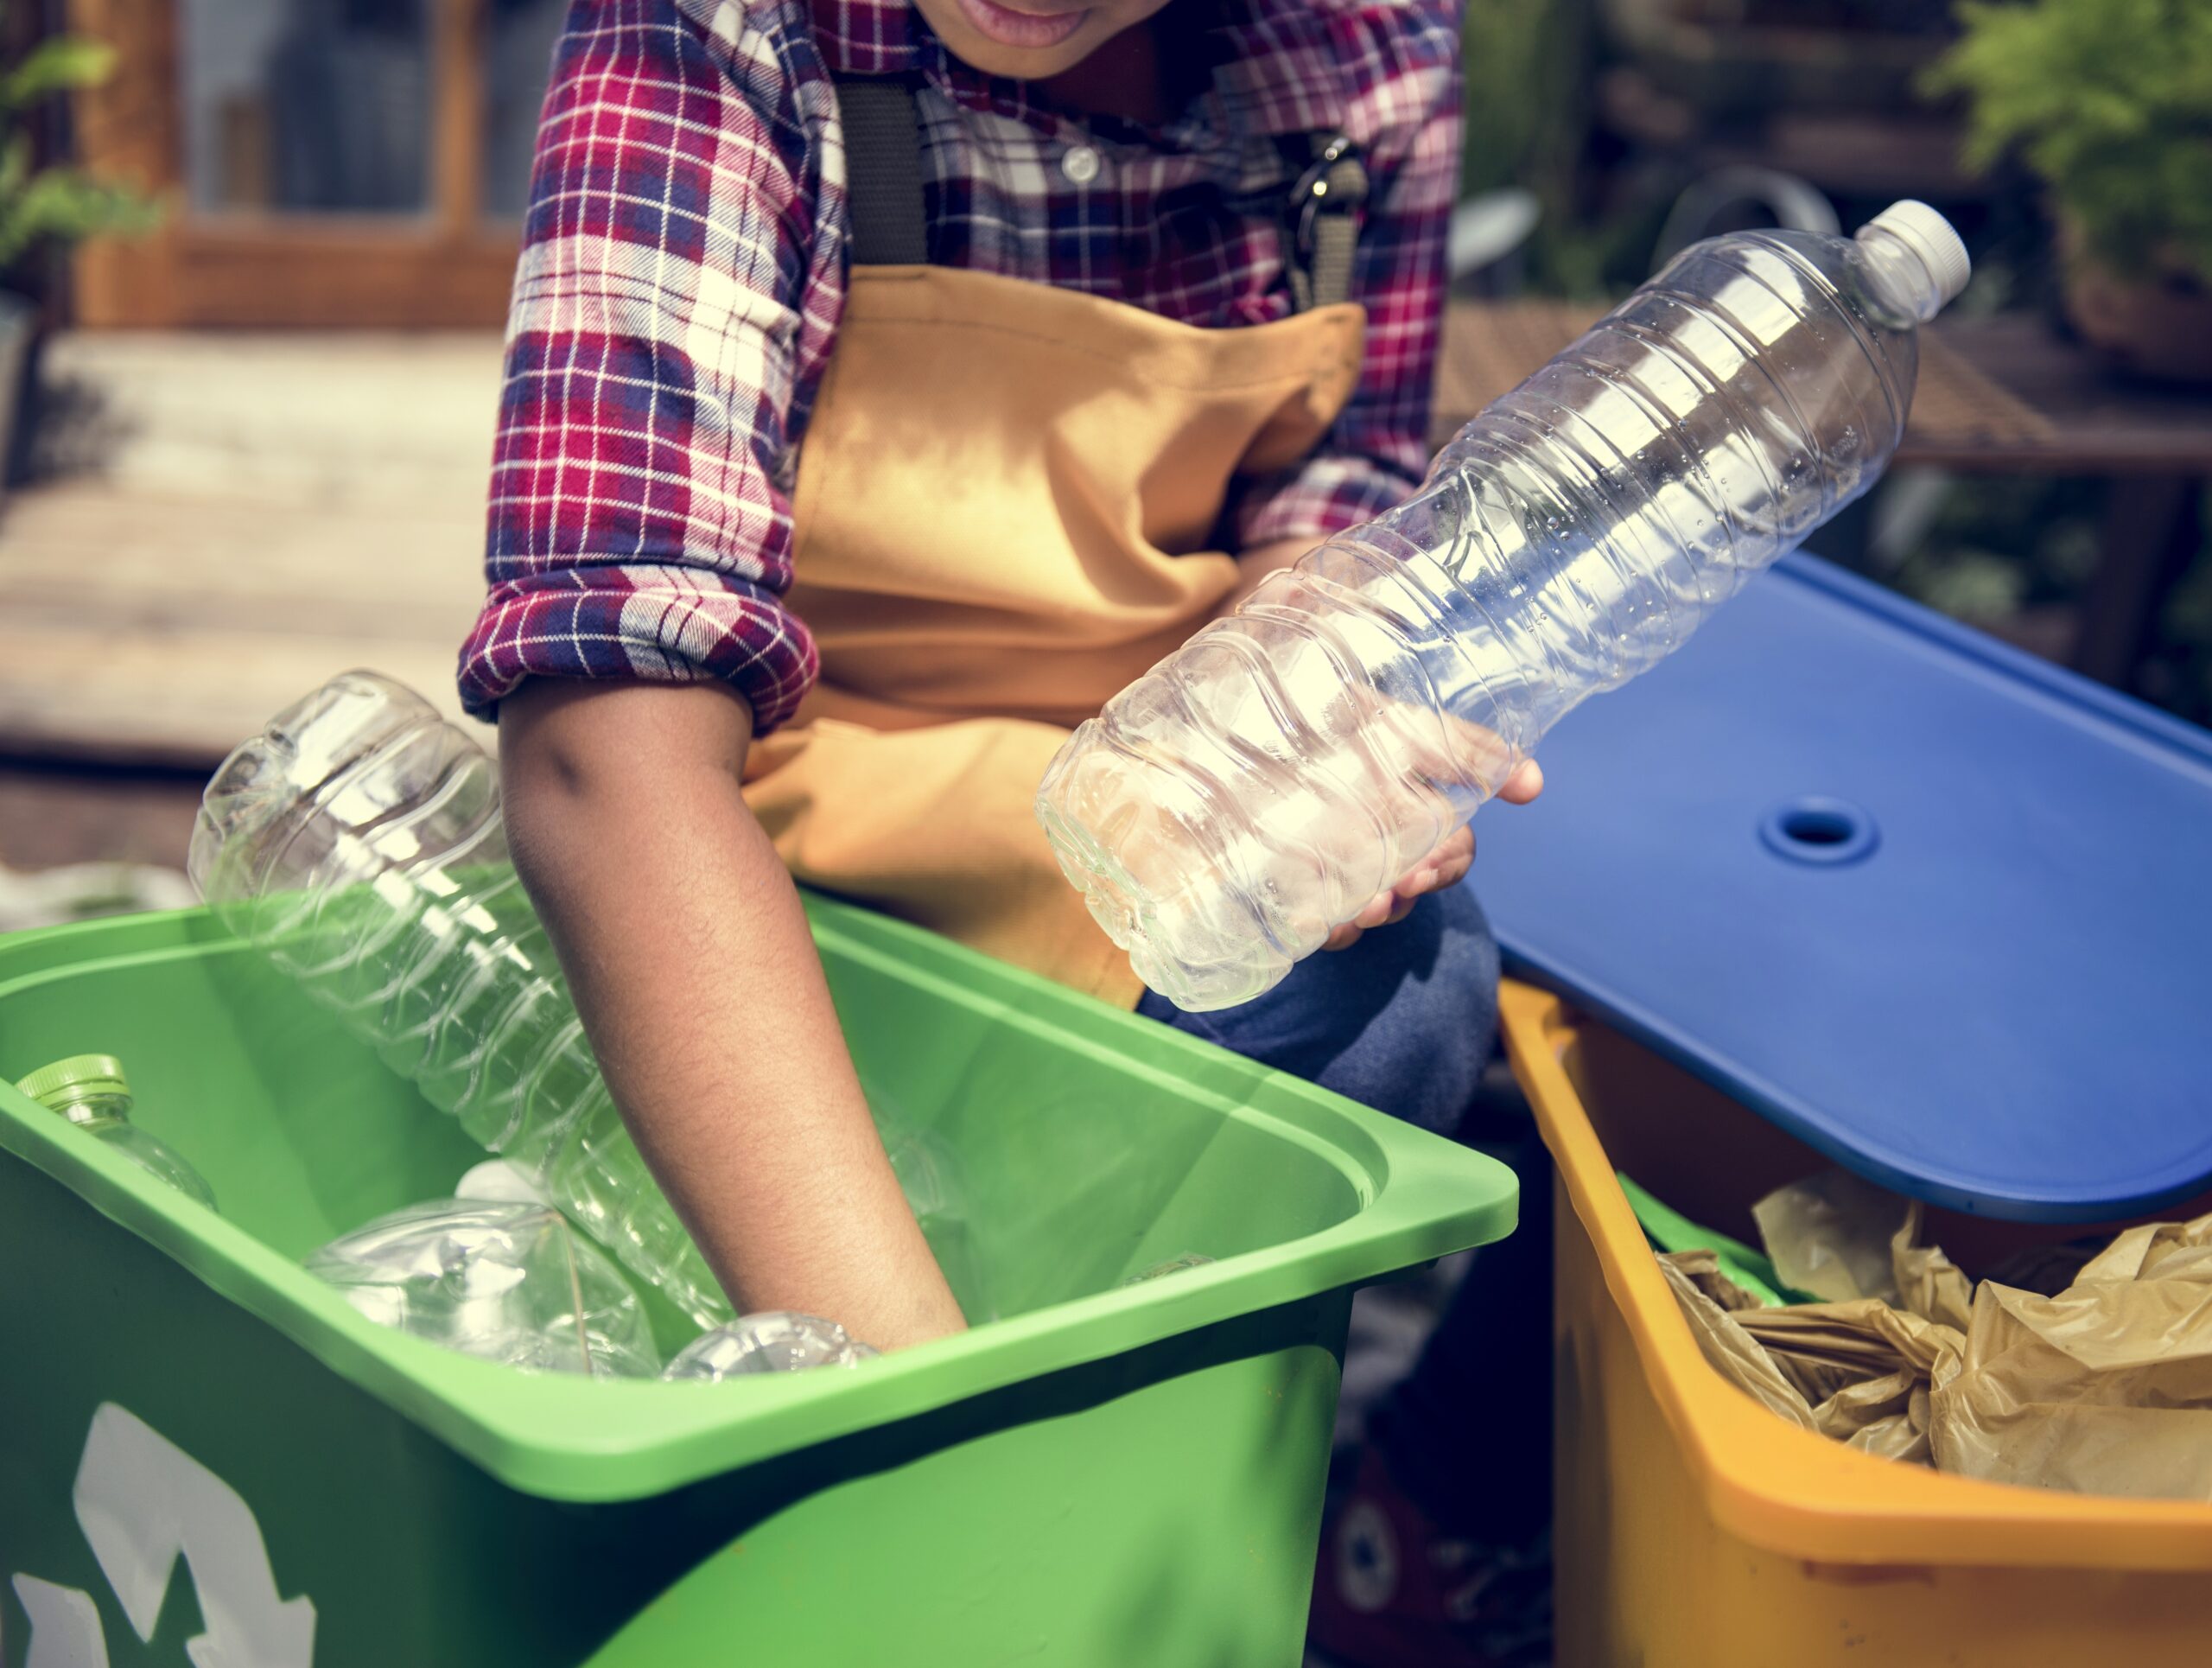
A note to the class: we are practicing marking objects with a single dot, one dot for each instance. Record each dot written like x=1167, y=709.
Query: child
x=887, y=385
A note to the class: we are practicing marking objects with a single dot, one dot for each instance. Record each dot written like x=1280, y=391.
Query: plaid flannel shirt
x=684, y=263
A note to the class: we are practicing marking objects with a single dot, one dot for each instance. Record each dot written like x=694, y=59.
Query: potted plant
x=2110, y=102
x=43, y=209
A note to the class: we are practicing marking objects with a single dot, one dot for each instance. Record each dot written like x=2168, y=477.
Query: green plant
x=53, y=207
x=1995, y=546
x=1529, y=66
x=2111, y=102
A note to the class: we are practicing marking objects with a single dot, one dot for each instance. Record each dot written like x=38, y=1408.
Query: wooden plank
x=54, y=815
x=163, y=631
x=180, y=698
x=2101, y=422
x=311, y=273
x=337, y=421
x=152, y=564
x=457, y=117
x=130, y=130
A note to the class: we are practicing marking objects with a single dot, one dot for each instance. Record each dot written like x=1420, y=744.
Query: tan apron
x=1001, y=506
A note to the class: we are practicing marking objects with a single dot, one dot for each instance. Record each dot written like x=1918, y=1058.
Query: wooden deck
x=240, y=519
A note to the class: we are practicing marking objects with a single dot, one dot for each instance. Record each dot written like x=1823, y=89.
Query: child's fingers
x=1447, y=865
x=1378, y=912
x=1408, y=892
x=1524, y=784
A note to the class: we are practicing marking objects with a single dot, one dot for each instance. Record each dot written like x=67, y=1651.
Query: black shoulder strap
x=1325, y=210
x=883, y=170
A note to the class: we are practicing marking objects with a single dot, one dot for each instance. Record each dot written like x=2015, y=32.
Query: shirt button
x=1080, y=164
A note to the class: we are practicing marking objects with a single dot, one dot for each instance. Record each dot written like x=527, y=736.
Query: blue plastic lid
x=1938, y=908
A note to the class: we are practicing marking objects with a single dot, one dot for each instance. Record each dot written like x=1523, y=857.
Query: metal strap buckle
x=1312, y=196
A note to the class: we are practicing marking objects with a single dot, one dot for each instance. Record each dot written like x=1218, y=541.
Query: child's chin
x=1022, y=63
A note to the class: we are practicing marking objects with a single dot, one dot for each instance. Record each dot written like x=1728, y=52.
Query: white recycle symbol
x=144, y=1502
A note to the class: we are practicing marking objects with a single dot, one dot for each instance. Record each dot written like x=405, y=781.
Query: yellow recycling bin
x=1697, y=1530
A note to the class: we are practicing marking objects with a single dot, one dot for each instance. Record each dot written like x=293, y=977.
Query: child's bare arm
x=691, y=964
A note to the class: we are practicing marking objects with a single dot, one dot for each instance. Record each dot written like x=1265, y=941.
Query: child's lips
x=1022, y=29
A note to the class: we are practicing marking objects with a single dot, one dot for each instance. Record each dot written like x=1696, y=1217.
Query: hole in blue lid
x=1814, y=830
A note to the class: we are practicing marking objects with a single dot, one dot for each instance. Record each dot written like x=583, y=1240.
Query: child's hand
x=1445, y=866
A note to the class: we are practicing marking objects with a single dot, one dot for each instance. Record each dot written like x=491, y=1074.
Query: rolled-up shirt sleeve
x=667, y=311
x=1376, y=453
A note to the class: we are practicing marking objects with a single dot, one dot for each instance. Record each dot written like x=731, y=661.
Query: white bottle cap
x=499, y=1182
x=1929, y=236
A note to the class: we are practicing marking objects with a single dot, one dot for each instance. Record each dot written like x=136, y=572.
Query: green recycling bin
x=208, y=1458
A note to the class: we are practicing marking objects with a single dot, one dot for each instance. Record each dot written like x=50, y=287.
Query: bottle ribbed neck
x=89, y=1111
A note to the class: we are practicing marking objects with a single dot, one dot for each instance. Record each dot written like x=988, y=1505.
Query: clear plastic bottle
x=1262, y=784
x=358, y=841
x=935, y=1182
x=92, y=1092
x=775, y=1341
x=506, y=1281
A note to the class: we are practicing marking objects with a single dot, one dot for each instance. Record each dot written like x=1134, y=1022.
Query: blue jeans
x=1402, y=1021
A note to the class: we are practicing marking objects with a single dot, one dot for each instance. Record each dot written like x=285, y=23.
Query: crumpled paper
x=1858, y=1372
x=1928, y=1283
x=1842, y=1239
x=2104, y=1387
x=1829, y=1235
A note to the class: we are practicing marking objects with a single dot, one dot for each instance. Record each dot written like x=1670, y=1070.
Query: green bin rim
x=564, y=1437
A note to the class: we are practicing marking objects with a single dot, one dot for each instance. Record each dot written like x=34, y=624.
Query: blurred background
x=255, y=254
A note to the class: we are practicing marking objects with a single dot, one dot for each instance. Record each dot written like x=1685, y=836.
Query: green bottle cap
x=74, y=1079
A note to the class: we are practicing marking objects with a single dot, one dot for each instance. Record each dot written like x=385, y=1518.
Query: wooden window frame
x=448, y=268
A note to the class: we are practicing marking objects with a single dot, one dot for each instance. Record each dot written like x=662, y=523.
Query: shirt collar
x=869, y=37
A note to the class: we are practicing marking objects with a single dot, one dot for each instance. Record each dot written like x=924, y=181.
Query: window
x=324, y=163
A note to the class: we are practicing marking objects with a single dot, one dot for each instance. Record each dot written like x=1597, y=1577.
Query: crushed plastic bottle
x=93, y=1093
x=358, y=841
x=935, y=1183
x=775, y=1341
x=506, y=1282
x=1265, y=781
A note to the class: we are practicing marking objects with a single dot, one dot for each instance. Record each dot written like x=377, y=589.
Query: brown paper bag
x=1829, y=1235
x=1928, y=1283
x=2104, y=1389
x=1856, y=1372
x=1733, y=1352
